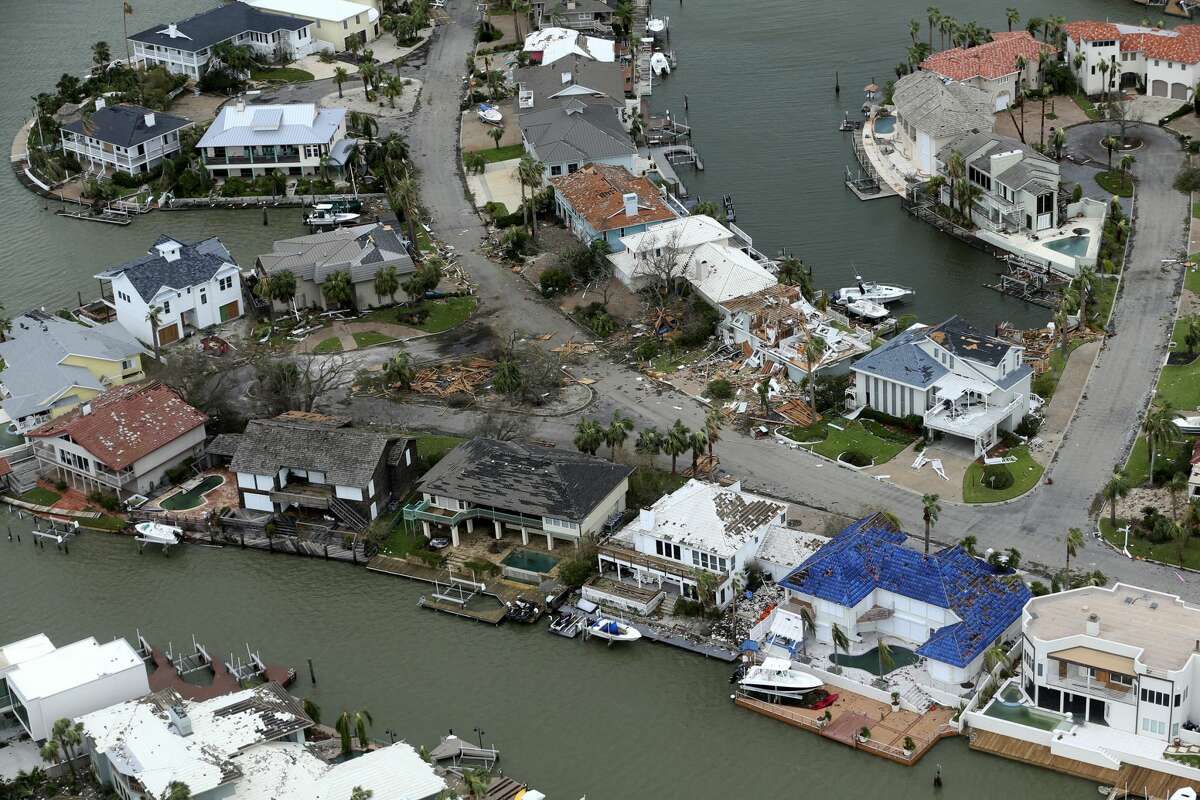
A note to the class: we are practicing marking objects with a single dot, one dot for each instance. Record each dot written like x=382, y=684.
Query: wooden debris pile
x=458, y=377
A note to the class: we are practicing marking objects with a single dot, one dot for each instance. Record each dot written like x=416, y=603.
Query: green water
x=194, y=496
x=869, y=661
x=1023, y=715
x=530, y=560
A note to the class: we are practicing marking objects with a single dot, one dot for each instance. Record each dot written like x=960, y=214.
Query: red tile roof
x=991, y=60
x=1181, y=45
x=126, y=423
x=596, y=192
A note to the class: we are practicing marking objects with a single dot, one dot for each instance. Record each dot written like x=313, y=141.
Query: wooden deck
x=1148, y=783
x=1040, y=755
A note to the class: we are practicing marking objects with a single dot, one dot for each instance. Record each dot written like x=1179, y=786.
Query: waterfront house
x=294, y=139
x=959, y=381
x=718, y=263
x=949, y=607
x=604, y=201
x=581, y=130
x=186, y=47
x=249, y=744
x=12, y=655
x=122, y=441
x=585, y=16
x=361, y=251
x=700, y=526
x=548, y=45
x=335, y=23
x=562, y=494
x=316, y=465
x=931, y=112
x=1156, y=61
x=51, y=365
x=190, y=287
x=123, y=138
x=66, y=682
x=994, y=67
x=1018, y=185
x=553, y=85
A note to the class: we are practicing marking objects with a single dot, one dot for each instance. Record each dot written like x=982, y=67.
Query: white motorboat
x=659, y=64
x=1186, y=793
x=613, y=631
x=327, y=218
x=157, y=533
x=866, y=309
x=656, y=25
x=489, y=114
x=1190, y=424
x=881, y=293
x=775, y=679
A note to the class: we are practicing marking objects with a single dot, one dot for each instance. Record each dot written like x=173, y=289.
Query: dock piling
x=312, y=675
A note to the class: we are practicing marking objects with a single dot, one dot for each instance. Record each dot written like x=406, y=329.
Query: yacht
x=866, y=309
x=881, y=293
x=775, y=679
x=613, y=631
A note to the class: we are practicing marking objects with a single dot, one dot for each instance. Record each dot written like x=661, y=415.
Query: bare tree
x=206, y=383
x=664, y=263
x=298, y=384
x=541, y=373
x=504, y=427
x=1120, y=110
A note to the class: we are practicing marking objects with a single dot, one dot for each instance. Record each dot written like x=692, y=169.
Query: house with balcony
x=335, y=23
x=1160, y=62
x=51, y=365
x=295, y=139
x=605, y=201
x=994, y=67
x=1018, y=185
x=585, y=16
x=949, y=607
x=526, y=488
x=122, y=441
x=582, y=130
x=961, y=382
x=186, y=47
x=312, y=466
x=930, y=112
x=123, y=138
x=700, y=526
x=175, y=289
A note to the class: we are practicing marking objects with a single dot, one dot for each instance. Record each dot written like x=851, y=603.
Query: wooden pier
x=170, y=671
x=108, y=215
x=451, y=595
x=1029, y=281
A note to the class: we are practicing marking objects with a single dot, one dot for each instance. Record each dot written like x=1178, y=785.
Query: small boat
x=848, y=124
x=659, y=64
x=1189, y=425
x=157, y=533
x=730, y=214
x=489, y=114
x=1185, y=793
x=613, y=631
x=328, y=218
x=775, y=679
x=881, y=293
x=656, y=25
x=521, y=610
x=565, y=624
x=866, y=309
x=349, y=204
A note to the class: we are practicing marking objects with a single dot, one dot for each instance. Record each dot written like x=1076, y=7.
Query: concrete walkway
x=344, y=332
x=1061, y=409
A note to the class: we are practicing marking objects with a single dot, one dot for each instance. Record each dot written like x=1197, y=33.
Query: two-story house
x=314, y=465
x=122, y=441
x=700, y=526
x=1018, y=185
x=49, y=365
x=1109, y=56
x=123, y=138
x=586, y=16
x=930, y=112
x=549, y=45
x=553, y=85
x=995, y=67
x=604, y=201
x=561, y=494
x=959, y=381
x=582, y=130
x=248, y=141
x=178, y=287
x=186, y=47
x=335, y=23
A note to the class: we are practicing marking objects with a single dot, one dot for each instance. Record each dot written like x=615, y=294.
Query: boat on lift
x=866, y=309
x=660, y=64
x=613, y=631
x=881, y=293
x=328, y=218
x=774, y=679
x=158, y=533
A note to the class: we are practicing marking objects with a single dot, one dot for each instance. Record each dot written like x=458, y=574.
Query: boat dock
x=172, y=669
x=454, y=595
x=109, y=215
x=1029, y=281
x=865, y=182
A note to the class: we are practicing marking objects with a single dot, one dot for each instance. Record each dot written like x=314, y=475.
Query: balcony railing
x=423, y=511
x=1076, y=684
x=282, y=157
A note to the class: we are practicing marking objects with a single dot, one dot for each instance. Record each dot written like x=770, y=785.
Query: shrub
x=1077, y=193
x=997, y=477
x=61, y=485
x=864, y=732
x=516, y=243
x=603, y=325
x=1039, y=589
x=554, y=281
x=647, y=350
x=1029, y=426
x=909, y=744
x=430, y=558
x=576, y=571
x=179, y=472
x=106, y=500
x=1188, y=180
x=856, y=458
x=701, y=323
x=234, y=187
x=686, y=608
x=1009, y=438
x=719, y=389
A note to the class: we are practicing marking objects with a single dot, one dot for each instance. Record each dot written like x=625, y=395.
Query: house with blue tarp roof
x=949, y=606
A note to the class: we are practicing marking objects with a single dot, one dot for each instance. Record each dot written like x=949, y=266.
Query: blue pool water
x=885, y=124
x=1071, y=245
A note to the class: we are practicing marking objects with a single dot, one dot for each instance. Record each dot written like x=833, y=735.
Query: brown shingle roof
x=596, y=193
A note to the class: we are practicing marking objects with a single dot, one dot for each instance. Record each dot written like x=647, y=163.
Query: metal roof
x=216, y=25
x=294, y=124
x=125, y=125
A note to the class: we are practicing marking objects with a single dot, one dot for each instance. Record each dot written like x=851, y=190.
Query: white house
x=124, y=138
x=335, y=23
x=931, y=112
x=1107, y=56
x=122, y=441
x=700, y=526
x=248, y=141
x=1018, y=185
x=548, y=45
x=14, y=654
x=192, y=286
x=994, y=67
x=949, y=607
x=186, y=47
x=69, y=681
x=958, y=380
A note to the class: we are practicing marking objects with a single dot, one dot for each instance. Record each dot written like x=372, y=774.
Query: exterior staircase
x=347, y=514
x=916, y=695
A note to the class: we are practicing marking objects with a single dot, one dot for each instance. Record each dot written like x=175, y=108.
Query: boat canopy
x=776, y=664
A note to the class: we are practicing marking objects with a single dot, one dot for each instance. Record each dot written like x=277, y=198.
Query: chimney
x=630, y=199
x=241, y=105
x=85, y=409
x=99, y=103
x=1093, y=625
x=149, y=119
x=646, y=519
x=179, y=720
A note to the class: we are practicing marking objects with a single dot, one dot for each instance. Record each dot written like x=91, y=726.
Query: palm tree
x=810, y=625
x=497, y=134
x=1074, y=542
x=763, y=389
x=932, y=15
x=154, y=316
x=1190, y=325
x=393, y=87
x=363, y=124
x=359, y=793
x=101, y=55
x=340, y=76
x=1179, y=536
x=706, y=585
x=624, y=15
x=387, y=282
x=351, y=724
x=840, y=641
x=994, y=656
x=649, y=443
x=968, y=543
x=616, y=433
x=914, y=28
x=676, y=442
x=398, y=371
x=65, y=736
x=1110, y=144
x=793, y=272
x=177, y=790
x=1058, y=141
x=956, y=170
x=1159, y=429
x=477, y=780
x=714, y=420
x=1117, y=487
x=403, y=196
x=697, y=441
x=1177, y=484
x=814, y=351
x=126, y=13
x=5, y=325
x=589, y=435
x=886, y=662
x=529, y=173
x=1085, y=286
x=1012, y=16
x=929, y=513
x=338, y=289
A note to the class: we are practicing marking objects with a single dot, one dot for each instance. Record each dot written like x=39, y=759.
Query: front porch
x=963, y=408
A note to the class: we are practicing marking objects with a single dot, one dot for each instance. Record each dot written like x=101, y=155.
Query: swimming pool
x=530, y=561
x=1009, y=707
x=869, y=661
x=181, y=501
x=1071, y=245
x=885, y=124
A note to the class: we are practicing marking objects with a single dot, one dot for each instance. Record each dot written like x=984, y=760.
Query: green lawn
x=442, y=315
x=40, y=496
x=1196, y=209
x=371, y=338
x=431, y=447
x=1026, y=473
x=104, y=523
x=1138, y=465
x=1179, y=386
x=494, y=154
x=671, y=360
x=1191, y=278
x=403, y=542
x=281, y=74
x=1115, y=182
x=331, y=345
x=1102, y=299
x=1086, y=105
x=1045, y=384
x=1167, y=552
x=880, y=443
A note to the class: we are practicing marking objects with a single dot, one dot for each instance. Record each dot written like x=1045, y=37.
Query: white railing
x=1075, y=684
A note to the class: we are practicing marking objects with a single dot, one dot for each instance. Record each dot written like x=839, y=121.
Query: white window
x=127, y=364
x=166, y=306
x=667, y=549
x=225, y=283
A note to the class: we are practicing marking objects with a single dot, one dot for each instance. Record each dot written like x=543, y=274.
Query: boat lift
x=186, y=664
x=60, y=533
x=253, y=667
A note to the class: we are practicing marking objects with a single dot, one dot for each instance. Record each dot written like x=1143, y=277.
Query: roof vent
x=85, y=409
x=630, y=201
x=149, y=119
x=1154, y=605
x=1093, y=625
x=179, y=719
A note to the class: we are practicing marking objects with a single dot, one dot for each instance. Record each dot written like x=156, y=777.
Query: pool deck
x=224, y=494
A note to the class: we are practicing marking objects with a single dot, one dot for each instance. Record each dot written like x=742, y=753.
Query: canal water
x=570, y=716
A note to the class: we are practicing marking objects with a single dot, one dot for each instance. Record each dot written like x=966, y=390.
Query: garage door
x=168, y=333
x=1002, y=101
x=1179, y=91
x=1158, y=89
x=230, y=310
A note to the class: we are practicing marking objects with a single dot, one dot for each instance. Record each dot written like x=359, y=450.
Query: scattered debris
x=458, y=377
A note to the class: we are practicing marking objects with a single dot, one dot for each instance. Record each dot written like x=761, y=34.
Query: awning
x=341, y=151
x=1099, y=659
